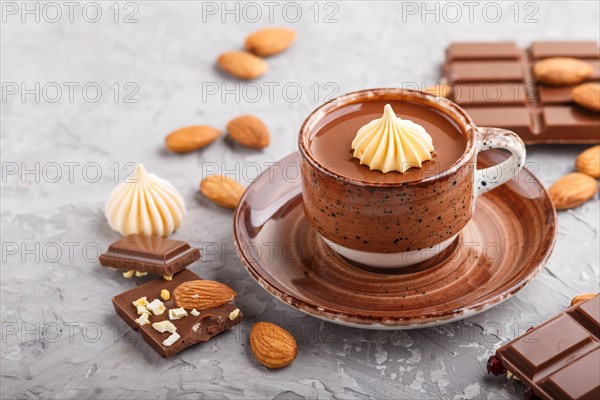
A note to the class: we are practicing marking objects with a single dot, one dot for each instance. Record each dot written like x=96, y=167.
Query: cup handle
x=489, y=178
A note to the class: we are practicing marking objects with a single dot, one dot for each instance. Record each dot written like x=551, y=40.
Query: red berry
x=495, y=367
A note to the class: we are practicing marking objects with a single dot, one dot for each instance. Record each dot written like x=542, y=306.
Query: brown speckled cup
x=398, y=222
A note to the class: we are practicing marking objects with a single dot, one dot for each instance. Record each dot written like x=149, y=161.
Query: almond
x=242, y=65
x=582, y=297
x=440, y=90
x=202, y=294
x=588, y=162
x=572, y=190
x=562, y=71
x=273, y=347
x=191, y=138
x=269, y=41
x=249, y=131
x=587, y=95
x=222, y=190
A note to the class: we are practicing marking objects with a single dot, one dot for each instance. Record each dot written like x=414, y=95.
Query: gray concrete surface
x=62, y=155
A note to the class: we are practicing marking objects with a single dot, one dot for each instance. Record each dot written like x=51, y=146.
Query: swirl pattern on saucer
x=145, y=203
x=391, y=143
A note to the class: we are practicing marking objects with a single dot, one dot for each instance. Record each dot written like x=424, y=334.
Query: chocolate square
x=486, y=71
x=152, y=254
x=484, y=94
x=192, y=329
x=560, y=359
x=556, y=94
x=516, y=119
x=557, y=119
x=483, y=51
x=565, y=49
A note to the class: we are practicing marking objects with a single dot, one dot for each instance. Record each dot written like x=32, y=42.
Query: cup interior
x=441, y=105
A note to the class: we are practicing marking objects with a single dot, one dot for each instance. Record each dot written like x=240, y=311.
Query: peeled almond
x=242, y=65
x=587, y=95
x=269, y=41
x=572, y=190
x=191, y=138
x=562, y=71
x=588, y=162
x=249, y=131
x=222, y=190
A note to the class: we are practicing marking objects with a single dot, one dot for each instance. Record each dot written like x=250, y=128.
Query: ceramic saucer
x=504, y=246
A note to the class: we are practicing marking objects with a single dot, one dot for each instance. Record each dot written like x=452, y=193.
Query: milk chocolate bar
x=191, y=328
x=560, y=359
x=495, y=85
x=151, y=254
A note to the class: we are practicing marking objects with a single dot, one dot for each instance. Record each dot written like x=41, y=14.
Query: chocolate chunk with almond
x=169, y=326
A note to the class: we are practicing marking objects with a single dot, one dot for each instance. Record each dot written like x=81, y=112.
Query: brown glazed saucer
x=502, y=248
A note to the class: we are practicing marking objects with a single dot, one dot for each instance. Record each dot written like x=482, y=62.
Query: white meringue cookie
x=145, y=203
x=391, y=143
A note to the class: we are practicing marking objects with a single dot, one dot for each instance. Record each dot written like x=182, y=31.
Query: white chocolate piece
x=128, y=274
x=171, y=339
x=157, y=307
x=164, y=326
x=177, y=313
x=142, y=301
x=143, y=319
x=234, y=314
x=142, y=310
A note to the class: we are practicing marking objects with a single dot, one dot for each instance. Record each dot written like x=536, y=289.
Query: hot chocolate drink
x=331, y=140
x=396, y=218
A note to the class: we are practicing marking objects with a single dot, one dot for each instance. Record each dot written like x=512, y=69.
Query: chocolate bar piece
x=495, y=84
x=541, y=50
x=483, y=51
x=560, y=359
x=151, y=254
x=192, y=329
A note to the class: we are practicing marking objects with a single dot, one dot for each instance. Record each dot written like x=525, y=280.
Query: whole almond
x=202, y=294
x=572, y=190
x=587, y=95
x=273, y=346
x=191, y=138
x=269, y=41
x=222, y=190
x=562, y=71
x=588, y=162
x=582, y=297
x=242, y=65
x=249, y=131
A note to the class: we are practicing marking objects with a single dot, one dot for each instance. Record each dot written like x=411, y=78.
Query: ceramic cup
x=391, y=225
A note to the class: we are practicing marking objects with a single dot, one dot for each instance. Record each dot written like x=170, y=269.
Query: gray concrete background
x=60, y=336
